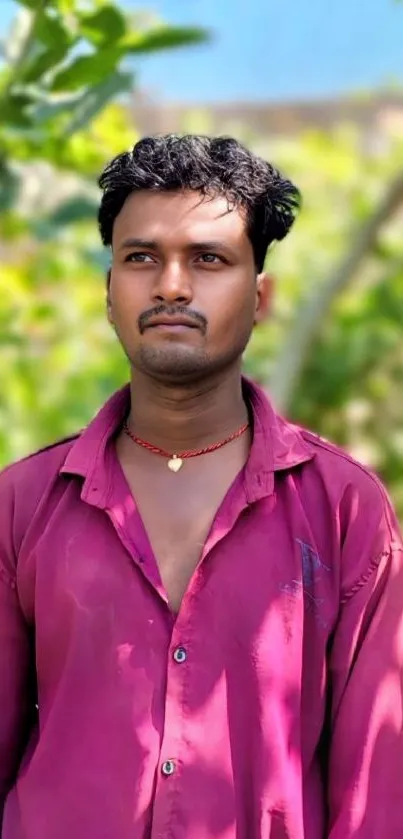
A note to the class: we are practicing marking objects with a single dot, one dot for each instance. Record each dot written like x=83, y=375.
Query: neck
x=178, y=418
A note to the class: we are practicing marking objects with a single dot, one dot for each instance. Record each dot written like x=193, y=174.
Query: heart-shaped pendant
x=175, y=463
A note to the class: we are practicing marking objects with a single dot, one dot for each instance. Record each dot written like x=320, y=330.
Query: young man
x=204, y=602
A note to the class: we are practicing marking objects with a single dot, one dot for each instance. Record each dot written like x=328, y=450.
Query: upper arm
x=14, y=653
x=366, y=676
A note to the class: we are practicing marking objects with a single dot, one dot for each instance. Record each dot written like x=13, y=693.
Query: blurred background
x=314, y=86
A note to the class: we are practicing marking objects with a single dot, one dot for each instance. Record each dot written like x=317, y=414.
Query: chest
x=177, y=544
x=261, y=589
x=258, y=591
x=178, y=513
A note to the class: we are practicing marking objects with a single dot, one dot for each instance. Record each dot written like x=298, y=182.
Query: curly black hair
x=212, y=166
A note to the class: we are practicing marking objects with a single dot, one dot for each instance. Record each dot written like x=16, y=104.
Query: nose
x=173, y=285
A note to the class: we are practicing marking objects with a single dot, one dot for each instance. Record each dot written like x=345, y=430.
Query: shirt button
x=168, y=767
x=180, y=655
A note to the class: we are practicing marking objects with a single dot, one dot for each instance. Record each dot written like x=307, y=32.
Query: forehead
x=178, y=217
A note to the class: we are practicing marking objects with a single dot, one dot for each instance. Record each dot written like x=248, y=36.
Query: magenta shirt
x=270, y=708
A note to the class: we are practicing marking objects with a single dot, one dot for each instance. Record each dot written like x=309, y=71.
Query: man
x=203, y=602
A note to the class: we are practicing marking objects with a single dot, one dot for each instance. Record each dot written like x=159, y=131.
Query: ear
x=264, y=297
x=108, y=297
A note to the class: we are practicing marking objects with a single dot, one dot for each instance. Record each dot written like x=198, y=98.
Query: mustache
x=171, y=311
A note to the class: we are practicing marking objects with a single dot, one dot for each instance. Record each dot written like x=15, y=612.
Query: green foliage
x=104, y=26
x=65, y=61
x=61, y=82
x=60, y=99
x=350, y=388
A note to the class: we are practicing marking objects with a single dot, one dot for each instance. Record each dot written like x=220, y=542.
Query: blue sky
x=274, y=49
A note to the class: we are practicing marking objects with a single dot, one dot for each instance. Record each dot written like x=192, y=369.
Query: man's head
x=189, y=220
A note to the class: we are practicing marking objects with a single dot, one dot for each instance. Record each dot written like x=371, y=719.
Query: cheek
x=233, y=316
x=125, y=306
x=126, y=297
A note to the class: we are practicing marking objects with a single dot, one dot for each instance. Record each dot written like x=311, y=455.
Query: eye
x=210, y=258
x=139, y=257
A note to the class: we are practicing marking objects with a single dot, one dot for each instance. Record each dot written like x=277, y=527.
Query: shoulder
x=353, y=508
x=341, y=472
x=26, y=479
x=361, y=509
x=330, y=479
x=24, y=486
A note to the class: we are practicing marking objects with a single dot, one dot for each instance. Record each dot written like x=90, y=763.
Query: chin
x=173, y=366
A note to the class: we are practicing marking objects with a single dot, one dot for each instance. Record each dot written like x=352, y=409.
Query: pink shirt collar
x=277, y=445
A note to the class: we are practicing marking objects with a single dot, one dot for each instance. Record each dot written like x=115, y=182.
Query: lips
x=172, y=322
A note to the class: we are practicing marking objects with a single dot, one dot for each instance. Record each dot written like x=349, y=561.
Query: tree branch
x=298, y=344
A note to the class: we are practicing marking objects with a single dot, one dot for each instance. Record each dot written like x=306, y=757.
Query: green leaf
x=87, y=69
x=48, y=110
x=52, y=32
x=72, y=211
x=9, y=186
x=13, y=111
x=95, y=98
x=43, y=62
x=103, y=26
x=164, y=37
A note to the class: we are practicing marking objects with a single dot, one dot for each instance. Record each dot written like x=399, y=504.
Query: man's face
x=183, y=293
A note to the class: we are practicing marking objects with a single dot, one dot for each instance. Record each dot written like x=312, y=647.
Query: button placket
x=172, y=745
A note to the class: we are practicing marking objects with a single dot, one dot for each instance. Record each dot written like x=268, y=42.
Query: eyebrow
x=213, y=245
x=138, y=243
x=150, y=244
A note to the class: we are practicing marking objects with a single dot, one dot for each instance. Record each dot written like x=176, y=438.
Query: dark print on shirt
x=312, y=568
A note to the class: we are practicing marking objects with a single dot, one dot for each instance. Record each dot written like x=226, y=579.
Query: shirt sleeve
x=365, y=771
x=14, y=655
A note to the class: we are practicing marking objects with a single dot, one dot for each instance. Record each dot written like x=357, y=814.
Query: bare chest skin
x=178, y=510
